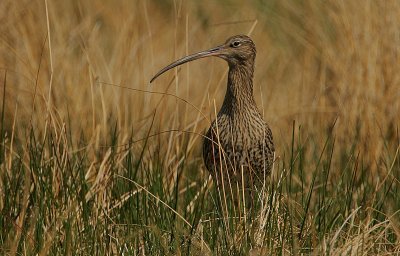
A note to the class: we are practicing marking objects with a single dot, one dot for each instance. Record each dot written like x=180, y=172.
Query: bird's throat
x=239, y=92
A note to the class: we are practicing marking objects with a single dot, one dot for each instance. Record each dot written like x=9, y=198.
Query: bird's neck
x=239, y=92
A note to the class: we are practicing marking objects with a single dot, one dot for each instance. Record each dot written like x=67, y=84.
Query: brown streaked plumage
x=239, y=139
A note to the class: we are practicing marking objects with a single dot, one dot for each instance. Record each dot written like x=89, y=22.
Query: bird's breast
x=234, y=138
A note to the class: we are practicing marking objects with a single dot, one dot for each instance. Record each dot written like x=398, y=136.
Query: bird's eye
x=235, y=44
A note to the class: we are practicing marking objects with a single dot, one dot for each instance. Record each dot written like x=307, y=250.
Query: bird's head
x=237, y=50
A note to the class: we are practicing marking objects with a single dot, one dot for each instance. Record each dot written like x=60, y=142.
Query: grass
x=90, y=167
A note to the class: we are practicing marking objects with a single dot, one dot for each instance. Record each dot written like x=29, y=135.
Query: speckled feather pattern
x=239, y=139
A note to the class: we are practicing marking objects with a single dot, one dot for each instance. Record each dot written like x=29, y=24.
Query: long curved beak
x=211, y=52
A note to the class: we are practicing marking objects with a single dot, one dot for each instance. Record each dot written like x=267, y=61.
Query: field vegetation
x=96, y=161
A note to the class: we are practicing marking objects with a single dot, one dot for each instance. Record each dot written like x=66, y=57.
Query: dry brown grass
x=317, y=62
x=329, y=65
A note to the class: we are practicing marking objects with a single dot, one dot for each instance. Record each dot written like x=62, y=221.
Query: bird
x=238, y=149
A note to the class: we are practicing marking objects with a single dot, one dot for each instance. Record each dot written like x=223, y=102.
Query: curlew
x=238, y=148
